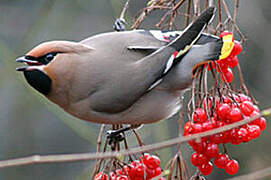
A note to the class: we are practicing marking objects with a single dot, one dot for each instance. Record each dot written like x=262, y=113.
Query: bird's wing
x=136, y=44
x=181, y=74
x=126, y=45
x=129, y=81
x=167, y=37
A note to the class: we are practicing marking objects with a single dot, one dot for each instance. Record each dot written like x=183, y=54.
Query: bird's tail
x=211, y=51
x=183, y=43
x=193, y=32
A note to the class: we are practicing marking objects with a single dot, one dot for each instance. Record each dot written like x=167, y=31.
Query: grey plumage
x=126, y=77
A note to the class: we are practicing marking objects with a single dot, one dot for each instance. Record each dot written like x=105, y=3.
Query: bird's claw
x=114, y=136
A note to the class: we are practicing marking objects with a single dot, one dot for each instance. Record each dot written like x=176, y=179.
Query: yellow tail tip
x=227, y=47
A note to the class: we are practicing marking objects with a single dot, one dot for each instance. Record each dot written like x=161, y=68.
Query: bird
x=130, y=77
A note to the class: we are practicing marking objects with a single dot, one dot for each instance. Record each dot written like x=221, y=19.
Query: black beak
x=29, y=62
x=23, y=59
x=21, y=68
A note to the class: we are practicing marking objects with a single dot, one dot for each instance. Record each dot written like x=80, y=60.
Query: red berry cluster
x=225, y=111
x=145, y=169
x=231, y=61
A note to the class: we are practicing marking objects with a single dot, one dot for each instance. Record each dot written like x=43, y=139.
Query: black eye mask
x=43, y=59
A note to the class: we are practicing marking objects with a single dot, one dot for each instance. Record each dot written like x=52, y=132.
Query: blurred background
x=29, y=124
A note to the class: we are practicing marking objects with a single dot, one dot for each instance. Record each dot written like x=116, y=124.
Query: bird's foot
x=114, y=136
x=119, y=25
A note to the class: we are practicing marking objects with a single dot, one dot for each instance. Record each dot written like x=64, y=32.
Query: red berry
x=222, y=65
x=212, y=150
x=217, y=101
x=226, y=136
x=151, y=162
x=209, y=102
x=187, y=128
x=236, y=98
x=213, y=118
x=206, y=169
x=220, y=124
x=223, y=110
x=145, y=156
x=235, y=115
x=232, y=167
x=194, y=159
x=199, y=116
x=138, y=178
x=202, y=159
x=140, y=170
x=244, y=97
x=221, y=160
x=196, y=128
x=132, y=171
x=237, y=49
x=199, y=146
x=112, y=176
x=254, y=113
x=119, y=172
x=192, y=142
x=122, y=177
x=158, y=171
x=254, y=131
x=198, y=159
x=247, y=107
x=101, y=176
x=233, y=62
x=126, y=169
x=228, y=75
x=208, y=125
x=262, y=123
x=217, y=138
x=227, y=100
x=150, y=173
x=242, y=134
x=234, y=137
x=135, y=163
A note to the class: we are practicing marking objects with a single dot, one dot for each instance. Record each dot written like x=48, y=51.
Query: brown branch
x=260, y=174
x=196, y=8
x=188, y=12
x=235, y=14
x=171, y=11
x=98, y=149
x=122, y=14
x=39, y=159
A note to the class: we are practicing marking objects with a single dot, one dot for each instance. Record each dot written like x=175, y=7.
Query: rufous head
x=39, y=71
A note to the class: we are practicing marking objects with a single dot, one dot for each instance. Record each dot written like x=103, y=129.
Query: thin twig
x=235, y=14
x=172, y=166
x=138, y=138
x=260, y=174
x=40, y=159
x=171, y=11
x=99, y=142
x=122, y=14
x=188, y=12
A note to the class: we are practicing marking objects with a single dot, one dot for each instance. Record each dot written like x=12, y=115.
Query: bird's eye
x=49, y=57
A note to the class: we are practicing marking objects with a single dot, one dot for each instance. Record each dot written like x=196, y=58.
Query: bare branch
x=122, y=14
x=260, y=174
x=40, y=159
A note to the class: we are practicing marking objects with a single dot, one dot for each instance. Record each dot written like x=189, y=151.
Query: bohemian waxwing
x=129, y=77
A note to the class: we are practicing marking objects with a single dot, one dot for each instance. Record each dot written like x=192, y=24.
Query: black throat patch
x=39, y=81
